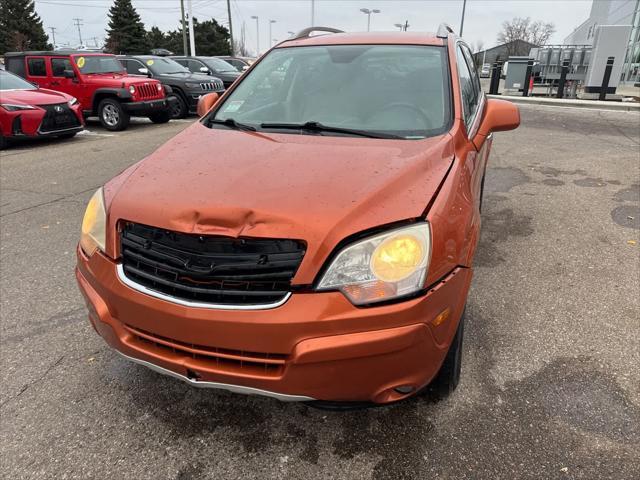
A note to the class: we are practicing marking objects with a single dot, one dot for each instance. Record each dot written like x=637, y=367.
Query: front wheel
x=112, y=116
x=3, y=142
x=160, y=117
x=178, y=107
x=448, y=377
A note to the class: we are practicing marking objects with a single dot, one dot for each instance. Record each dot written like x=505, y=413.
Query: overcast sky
x=482, y=20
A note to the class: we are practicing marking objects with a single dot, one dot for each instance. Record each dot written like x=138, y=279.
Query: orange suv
x=312, y=236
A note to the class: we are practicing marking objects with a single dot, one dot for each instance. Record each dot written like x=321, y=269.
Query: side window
x=467, y=89
x=194, y=66
x=474, y=71
x=133, y=67
x=37, y=67
x=59, y=65
x=182, y=62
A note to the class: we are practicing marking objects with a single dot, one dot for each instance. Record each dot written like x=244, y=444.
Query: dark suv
x=186, y=87
x=211, y=66
x=98, y=81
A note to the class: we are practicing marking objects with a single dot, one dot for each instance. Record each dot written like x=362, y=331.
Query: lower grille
x=210, y=269
x=58, y=117
x=221, y=359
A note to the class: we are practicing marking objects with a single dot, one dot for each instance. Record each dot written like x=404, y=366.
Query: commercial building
x=613, y=12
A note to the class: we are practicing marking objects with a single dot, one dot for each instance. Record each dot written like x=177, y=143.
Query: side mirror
x=205, y=70
x=206, y=103
x=143, y=71
x=245, y=68
x=68, y=74
x=498, y=116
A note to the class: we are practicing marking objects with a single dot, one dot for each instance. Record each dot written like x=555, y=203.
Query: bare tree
x=524, y=29
x=540, y=32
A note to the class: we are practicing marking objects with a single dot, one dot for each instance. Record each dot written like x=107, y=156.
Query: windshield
x=9, y=81
x=163, y=66
x=98, y=64
x=219, y=65
x=392, y=89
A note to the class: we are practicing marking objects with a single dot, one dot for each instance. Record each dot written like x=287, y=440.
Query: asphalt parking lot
x=550, y=383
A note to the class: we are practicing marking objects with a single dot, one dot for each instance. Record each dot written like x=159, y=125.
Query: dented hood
x=319, y=189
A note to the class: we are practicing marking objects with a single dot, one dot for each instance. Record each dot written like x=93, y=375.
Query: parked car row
x=113, y=88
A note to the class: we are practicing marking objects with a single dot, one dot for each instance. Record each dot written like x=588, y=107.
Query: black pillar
x=527, y=78
x=563, y=78
x=496, y=70
x=605, y=78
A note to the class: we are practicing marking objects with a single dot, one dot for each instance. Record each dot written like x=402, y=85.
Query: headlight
x=159, y=87
x=382, y=267
x=132, y=89
x=72, y=101
x=10, y=107
x=195, y=86
x=94, y=225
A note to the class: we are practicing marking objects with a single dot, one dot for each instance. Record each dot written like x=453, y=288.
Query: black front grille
x=210, y=269
x=58, y=117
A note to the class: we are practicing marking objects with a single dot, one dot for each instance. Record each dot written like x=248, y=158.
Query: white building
x=613, y=12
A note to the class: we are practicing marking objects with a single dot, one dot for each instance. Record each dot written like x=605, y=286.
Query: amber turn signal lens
x=441, y=318
x=397, y=258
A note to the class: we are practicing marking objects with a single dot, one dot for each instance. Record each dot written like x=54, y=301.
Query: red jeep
x=98, y=81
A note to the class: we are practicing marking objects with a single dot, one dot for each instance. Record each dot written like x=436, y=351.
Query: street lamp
x=291, y=33
x=399, y=25
x=271, y=22
x=368, y=13
x=257, y=35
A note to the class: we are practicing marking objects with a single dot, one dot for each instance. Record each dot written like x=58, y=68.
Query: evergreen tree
x=211, y=38
x=21, y=27
x=156, y=38
x=126, y=33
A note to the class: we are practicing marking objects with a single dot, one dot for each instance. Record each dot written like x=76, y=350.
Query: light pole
x=368, y=13
x=257, y=35
x=313, y=13
x=271, y=22
x=399, y=25
x=464, y=7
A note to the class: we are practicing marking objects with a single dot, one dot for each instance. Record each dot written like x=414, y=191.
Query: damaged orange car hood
x=319, y=189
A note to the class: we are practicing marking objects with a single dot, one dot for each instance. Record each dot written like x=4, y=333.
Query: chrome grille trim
x=153, y=293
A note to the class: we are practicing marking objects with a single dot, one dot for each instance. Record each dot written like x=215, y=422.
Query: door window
x=470, y=95
x=37, y=67
x=59, y=65
x=195, y=66
x=133, y=67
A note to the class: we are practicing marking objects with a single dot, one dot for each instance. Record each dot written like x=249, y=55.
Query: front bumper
x=148, y=107
x=319, y=345
x=27, y=123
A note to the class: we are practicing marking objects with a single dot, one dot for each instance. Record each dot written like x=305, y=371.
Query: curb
x=561, y=102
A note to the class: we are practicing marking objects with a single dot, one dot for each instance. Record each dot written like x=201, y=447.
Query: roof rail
x=444, y=30
x=307, y=32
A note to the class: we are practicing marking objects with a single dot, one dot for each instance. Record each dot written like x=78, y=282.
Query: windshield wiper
x=231, y=123
x=319, y=127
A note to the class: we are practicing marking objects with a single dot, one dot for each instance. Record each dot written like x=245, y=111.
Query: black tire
x=179, y=107
x=448, y=377
x=160, y=117
x=67, y=135
x=3, y=142
x=112, y=115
